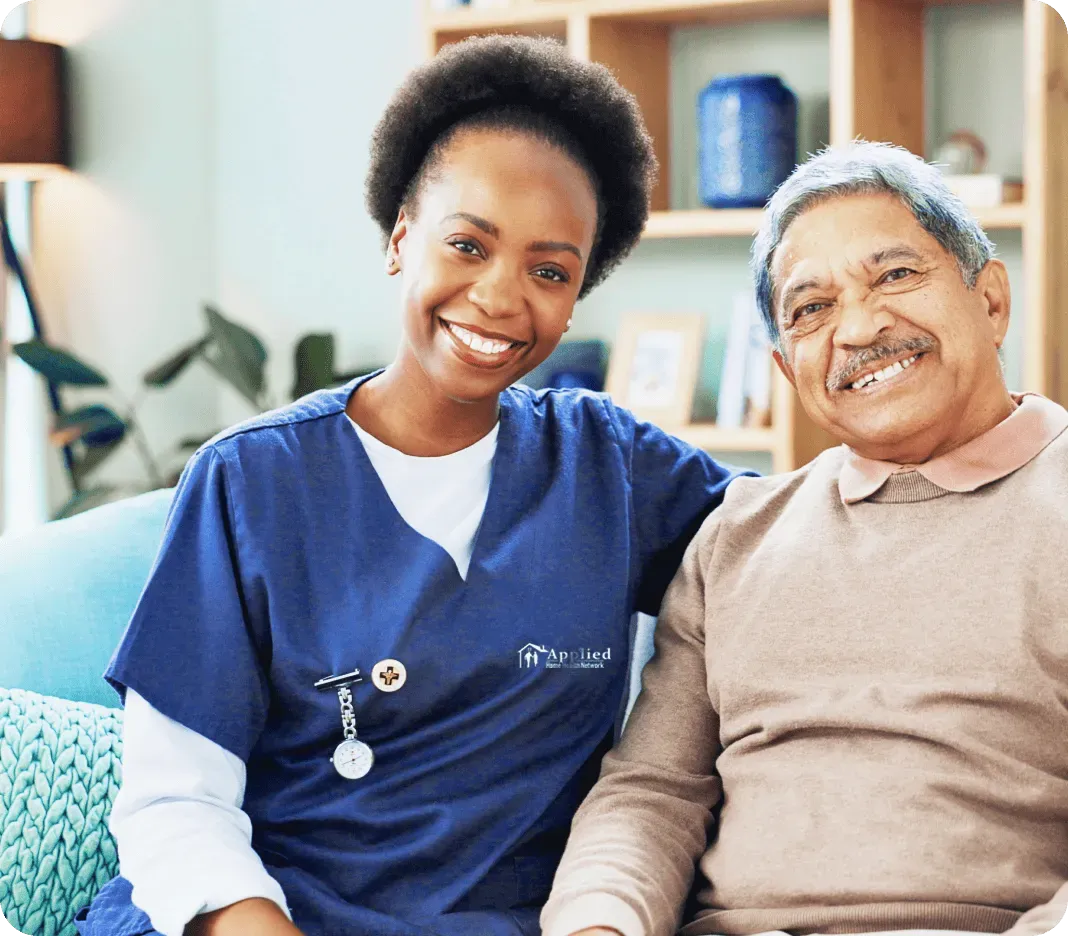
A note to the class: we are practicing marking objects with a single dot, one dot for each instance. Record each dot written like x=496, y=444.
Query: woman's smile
x=479, y=348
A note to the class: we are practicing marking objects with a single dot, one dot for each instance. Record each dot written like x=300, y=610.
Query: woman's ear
x=395, y=249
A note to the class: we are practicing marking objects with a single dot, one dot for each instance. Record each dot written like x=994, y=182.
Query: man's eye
x=894, y=275
x=810, y=309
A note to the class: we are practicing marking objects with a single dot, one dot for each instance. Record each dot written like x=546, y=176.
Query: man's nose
x=860, y=320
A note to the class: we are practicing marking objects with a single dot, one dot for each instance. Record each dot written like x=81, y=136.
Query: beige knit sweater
x=856, y=719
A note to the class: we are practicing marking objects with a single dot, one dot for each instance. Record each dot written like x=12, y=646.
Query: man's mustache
x=864, y=359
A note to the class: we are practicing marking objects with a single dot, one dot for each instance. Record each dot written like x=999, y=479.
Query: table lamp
x=34, y=139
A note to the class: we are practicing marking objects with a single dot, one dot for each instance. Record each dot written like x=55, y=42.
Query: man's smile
x=881, y=374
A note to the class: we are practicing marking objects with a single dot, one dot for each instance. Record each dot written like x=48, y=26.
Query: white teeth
x=478, y=343
x=880, y=375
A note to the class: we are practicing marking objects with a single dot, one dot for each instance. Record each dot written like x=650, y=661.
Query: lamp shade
x=34, y=140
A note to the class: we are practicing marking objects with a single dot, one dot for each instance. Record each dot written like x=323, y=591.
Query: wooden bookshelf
x=877, y=91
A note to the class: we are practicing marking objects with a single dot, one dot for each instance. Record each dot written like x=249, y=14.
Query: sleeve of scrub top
x=197, y=643
x=184, y=842
x=674, y=487
x=629, y=862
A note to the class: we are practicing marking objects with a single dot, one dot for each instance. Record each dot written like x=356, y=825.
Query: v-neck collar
x=499, y=497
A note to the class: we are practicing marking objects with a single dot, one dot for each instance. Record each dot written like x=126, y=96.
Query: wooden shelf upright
x=877, y=91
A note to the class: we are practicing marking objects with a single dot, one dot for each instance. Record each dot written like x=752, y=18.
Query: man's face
x=888, y=348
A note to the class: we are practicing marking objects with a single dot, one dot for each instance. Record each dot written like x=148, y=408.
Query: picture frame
x=654, y=365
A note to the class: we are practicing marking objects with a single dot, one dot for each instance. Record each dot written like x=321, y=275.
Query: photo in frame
x=654, y=366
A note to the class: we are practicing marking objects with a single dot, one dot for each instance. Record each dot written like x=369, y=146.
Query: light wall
x=298, y=97
x=125, y=247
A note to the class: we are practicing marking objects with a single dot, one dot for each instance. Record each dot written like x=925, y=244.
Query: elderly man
x=856, y=718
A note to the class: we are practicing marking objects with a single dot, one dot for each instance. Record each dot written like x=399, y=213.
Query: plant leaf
x=314, y=364
x=58, y=366
x=166, y=371
x=95, y=425
x=93, y=458
x=237, y=355
x=82, y=501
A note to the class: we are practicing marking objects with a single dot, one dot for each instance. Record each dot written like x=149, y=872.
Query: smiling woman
x=433, y=521
x=503, y=197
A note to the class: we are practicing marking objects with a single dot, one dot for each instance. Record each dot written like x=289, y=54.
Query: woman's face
x=492, y=260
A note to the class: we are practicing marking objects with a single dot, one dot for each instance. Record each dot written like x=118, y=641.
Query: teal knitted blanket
x=60, y=768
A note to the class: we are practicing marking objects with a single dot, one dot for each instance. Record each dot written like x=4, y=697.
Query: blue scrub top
x=285, y=561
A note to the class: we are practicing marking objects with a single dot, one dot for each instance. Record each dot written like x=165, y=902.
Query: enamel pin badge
x=389, y=675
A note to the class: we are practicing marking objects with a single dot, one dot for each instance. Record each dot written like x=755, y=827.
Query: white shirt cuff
x=592, y=910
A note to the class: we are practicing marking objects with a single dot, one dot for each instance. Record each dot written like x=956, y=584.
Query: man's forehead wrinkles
x=860, y=259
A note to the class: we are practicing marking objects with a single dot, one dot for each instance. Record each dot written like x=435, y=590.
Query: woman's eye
x=467, y=247
x=552, y=275
x=894, y=275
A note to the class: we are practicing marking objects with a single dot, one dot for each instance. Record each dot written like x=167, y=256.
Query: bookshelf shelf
x=679, y=12
x=735, y=222
x=743, y=222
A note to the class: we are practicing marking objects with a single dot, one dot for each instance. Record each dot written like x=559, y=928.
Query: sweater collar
x=998, y=452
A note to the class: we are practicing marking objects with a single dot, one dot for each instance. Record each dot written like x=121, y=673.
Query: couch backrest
x=67, y=591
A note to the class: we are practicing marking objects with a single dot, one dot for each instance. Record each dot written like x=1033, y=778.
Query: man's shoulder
x=750, y=497
x=752, y=505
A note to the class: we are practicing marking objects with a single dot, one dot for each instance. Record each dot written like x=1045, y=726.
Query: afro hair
x=516, y=82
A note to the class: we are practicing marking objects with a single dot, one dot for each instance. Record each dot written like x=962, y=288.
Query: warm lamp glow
x=33, y=109
x=31, y=172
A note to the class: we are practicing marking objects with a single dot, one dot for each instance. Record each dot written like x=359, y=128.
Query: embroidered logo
x=533, y=656
x=530, y=656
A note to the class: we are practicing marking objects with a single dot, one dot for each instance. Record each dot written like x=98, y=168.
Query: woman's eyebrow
x=481, y=223
x=553, y=246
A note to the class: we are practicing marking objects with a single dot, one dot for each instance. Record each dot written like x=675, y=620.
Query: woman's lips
x=479, y=350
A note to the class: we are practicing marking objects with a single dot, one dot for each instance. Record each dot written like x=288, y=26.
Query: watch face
x=353, y=759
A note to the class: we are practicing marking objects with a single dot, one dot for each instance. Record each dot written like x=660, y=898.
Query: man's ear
x=787, y=370
x=993, y=288
x=395, y=249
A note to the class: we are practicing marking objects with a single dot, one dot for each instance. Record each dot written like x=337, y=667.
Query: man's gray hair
x=864, y=169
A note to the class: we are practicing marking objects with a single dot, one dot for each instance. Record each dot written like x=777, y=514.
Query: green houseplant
x=91, y=433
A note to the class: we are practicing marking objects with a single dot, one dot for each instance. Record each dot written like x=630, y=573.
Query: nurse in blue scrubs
x=385, y=642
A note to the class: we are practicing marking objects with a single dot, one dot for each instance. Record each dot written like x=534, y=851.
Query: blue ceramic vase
x=746, y=139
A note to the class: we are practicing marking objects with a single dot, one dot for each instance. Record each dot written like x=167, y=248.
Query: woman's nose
x=498, y=293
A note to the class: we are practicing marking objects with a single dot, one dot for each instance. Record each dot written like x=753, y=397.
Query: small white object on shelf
x=985, y=190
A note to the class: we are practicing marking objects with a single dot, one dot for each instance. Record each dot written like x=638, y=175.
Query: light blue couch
x=66, y=593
